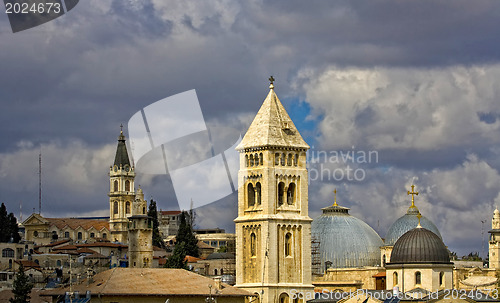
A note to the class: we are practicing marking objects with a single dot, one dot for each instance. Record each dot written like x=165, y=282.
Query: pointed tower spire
x=272, y=127
x=121, y=157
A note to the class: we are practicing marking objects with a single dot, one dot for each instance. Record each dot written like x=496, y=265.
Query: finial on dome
x=419, y=216
x=335, y=197
x=271, y=79
x=413, y=193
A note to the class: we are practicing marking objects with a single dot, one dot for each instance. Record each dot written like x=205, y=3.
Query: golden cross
x=271, y=79
x=121, y=128
x=413, y=193
x=335, y=197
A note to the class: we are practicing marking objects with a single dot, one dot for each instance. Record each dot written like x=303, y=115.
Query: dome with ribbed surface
x=344, y=240
x=419, y=245
x=406, y=223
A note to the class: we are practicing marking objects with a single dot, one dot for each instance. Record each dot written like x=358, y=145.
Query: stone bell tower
x=140, y=234
x=273, y=228
x=121, y=192
x=494, y=243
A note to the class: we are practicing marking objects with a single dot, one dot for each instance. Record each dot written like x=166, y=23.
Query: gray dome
x=406, y=223
x=419, y=245
x=344, y=240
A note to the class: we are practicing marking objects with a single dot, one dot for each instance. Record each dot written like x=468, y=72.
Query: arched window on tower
x=250, y=195
x=127, y=185
x=246, y=160
x=418, y=278
x=281, y=193
x=144, y=210
x=251, y=160
x=261, y=159
x=441, y=279
x=394, y=279
x=115, y=208
x=253, y=245
x=283, y=159
x=258, y=193
x=290, y=194
x=127, y=207
x=296, y=160
x=115, y=185
x=79, y=236
x=289, y=160
x=256, y=158
x=276, y=159
x=288, y=245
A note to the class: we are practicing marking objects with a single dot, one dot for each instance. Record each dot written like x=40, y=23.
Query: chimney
x=218, y=283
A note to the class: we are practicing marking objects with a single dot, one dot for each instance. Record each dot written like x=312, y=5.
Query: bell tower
x=273, y=228
x=140, y=234
x=121, y=192
x=494, y=243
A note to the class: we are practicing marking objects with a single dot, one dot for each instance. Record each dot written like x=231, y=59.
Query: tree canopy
x=9, y=230
x=186, y=244
x=21, y=288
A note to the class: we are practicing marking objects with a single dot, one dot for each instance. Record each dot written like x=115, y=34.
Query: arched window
x=296, y=160
x=284, y=298
x=215, y=272
x=92, y=235
x=79, y=235
x=127, y=207
x=283, y=159
x=221, y=271
x=127, y=185
x=258, y=192
x=104, y=235
x=418, y=278
x=256, y=158
x=144, y=210
x=35, y=233
x=115, y=185
x=261, y=158
x=54, y=235
x=253, y=244
x=7, y=253
x=394, y=278
x=384, y=260
x=276, y=159
x=251, y=195
x=288, y=244
x=251, y=160
x=58, y=263
x=246, y=160
x=289, y=161
x=441, y=279
x=115, y=207
x=66, y=234
x=281, y=193
x=10, y=263
x=290, y=194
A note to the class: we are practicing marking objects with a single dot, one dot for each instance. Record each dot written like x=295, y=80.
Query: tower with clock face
x=121, y=192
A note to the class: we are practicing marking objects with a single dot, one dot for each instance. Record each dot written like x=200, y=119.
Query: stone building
x=169, y=222
x=494, y=243
x=273, y=228
x=140, y=234
x=121, y=192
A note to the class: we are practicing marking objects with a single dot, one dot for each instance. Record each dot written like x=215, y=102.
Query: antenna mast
x=40, y=182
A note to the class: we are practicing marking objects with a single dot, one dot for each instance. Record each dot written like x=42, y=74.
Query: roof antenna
x=40, y=182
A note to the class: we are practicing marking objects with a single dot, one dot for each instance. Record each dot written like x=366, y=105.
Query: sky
x=412, y=83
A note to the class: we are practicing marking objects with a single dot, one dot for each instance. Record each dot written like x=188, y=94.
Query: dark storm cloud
x=414, y=80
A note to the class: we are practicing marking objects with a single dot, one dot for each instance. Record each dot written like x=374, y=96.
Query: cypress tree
x=153, y=214
x=21, y=288
x=185, y=244
x=4, y=225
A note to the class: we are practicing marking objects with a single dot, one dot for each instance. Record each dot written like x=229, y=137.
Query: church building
x=273, y=228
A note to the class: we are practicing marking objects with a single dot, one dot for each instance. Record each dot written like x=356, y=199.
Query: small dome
x=419, y=245
x=344, y=240
x=408, y=222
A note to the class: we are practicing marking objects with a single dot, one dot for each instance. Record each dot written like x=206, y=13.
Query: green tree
x=153, y=214
x=9, y=229
x=185, y=244
x=22, y=287
x=177, y=259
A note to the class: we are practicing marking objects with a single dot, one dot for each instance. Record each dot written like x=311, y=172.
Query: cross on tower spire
x=271, y=79
x=121, y=128
x=413, y=193
x=335, y=197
